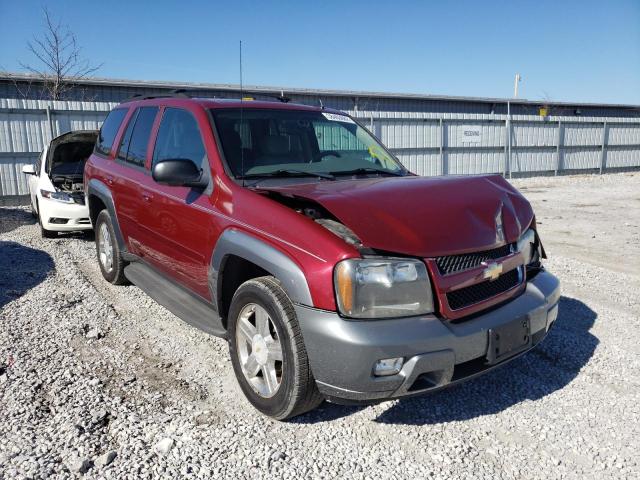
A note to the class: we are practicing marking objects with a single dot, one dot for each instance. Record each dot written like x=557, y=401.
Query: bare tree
x=61, y=64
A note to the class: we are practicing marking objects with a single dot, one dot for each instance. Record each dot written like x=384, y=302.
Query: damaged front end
x=321, y=216
x=475, y=236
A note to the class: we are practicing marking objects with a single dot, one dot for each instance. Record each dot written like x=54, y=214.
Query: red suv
x=332, y=271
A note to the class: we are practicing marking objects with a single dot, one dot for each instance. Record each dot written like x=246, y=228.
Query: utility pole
x=515, y=85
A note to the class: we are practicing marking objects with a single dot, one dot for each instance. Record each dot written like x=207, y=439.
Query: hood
x=423, y=216
x=87, y=137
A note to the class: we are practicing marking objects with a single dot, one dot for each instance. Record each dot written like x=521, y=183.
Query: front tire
x=109, y=255
x=267, y=351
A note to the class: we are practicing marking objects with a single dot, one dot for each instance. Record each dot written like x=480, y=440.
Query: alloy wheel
x=259, y=350
x=105, y=247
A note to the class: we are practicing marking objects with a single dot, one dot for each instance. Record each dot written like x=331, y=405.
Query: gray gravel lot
x=101, y=381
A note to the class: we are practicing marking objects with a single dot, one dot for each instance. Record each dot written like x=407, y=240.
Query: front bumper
x=437, y=353
x=76, y=215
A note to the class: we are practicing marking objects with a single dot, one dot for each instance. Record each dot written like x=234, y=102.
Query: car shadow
x=12, y=218
x=81, y=235
x=549, y=367
x=22, y=269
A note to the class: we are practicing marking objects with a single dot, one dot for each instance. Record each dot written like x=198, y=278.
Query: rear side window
x=133, y=148
x=126, y=138
x=109, y=131
x=179, y=138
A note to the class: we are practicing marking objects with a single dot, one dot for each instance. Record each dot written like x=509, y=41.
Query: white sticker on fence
x=469, y=134
x=337, y=118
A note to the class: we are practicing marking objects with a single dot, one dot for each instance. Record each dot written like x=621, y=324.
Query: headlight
x=529, y=246
x=380, y=288
x=59, y=196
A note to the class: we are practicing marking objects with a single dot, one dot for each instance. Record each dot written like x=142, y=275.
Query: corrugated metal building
x=431, y=135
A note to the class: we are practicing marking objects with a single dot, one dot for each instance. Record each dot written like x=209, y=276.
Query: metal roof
x=283, y=91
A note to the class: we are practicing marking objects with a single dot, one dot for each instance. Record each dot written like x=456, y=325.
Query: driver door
x=177, y=226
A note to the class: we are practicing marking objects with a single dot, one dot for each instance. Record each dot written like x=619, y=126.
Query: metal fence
x=427, y=142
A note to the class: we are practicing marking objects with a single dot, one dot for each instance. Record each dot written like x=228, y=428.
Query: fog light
x=387, y=366
x=58, y=221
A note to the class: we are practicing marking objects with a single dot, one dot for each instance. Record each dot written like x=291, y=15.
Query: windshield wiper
x=288, y=172
x=361, y=170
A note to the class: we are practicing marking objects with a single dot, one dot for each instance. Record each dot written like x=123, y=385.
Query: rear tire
x=109, y=254
x=256, y=344
x=44, y=233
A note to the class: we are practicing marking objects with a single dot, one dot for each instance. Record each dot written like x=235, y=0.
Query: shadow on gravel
x=22, y=269
x=327, y=412
x=82, y=235
x=12, y=218
x=549, y=367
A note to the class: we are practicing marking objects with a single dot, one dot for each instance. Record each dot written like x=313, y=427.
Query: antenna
x=241, y=119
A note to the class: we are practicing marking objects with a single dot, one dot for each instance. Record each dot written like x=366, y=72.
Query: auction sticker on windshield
x=337, y=118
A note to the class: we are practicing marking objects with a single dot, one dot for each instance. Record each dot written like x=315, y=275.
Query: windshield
x=270, y=142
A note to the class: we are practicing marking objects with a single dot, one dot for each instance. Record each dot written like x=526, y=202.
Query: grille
x=456, y=263
x=482, y=291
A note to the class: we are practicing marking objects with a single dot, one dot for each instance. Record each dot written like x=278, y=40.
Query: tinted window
x=179, y=138
x=109, y=130
x=263, y=141
x=126, y=138
x=139, y=139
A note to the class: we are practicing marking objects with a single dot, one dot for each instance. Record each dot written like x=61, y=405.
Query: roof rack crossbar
x=177, y=93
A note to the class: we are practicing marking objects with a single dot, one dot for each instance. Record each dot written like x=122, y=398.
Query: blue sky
x=565, y=50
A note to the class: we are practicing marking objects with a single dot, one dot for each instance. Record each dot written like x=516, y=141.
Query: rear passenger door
x=177, y=224
x=130, y=172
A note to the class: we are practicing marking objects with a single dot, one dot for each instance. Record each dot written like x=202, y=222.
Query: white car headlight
x=382, y=288
x=529, y=246
x=59, y=196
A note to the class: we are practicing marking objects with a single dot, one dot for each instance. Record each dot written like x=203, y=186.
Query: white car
x=56, y=183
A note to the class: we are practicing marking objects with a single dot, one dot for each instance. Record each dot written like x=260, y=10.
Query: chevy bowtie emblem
x=493, y=270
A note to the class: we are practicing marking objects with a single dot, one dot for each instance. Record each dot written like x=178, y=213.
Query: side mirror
x=179, y=172
x=29, y=170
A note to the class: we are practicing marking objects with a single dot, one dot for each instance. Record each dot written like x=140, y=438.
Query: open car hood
x=422, y=216
x=88, y=136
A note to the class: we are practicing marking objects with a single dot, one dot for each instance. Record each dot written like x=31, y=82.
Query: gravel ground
x=101, y=381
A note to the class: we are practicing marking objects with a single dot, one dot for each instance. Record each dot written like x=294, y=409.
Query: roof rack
x=281, y=98
x=177, y=93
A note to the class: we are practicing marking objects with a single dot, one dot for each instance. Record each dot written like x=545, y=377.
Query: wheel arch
x=249, y=257
x=99, y=198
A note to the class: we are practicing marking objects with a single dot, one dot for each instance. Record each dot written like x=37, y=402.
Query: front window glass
x=263, y=142
x=179, y=138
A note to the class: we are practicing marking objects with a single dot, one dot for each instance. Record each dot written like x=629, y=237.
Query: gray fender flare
x=254, y=250
x=98, y=189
